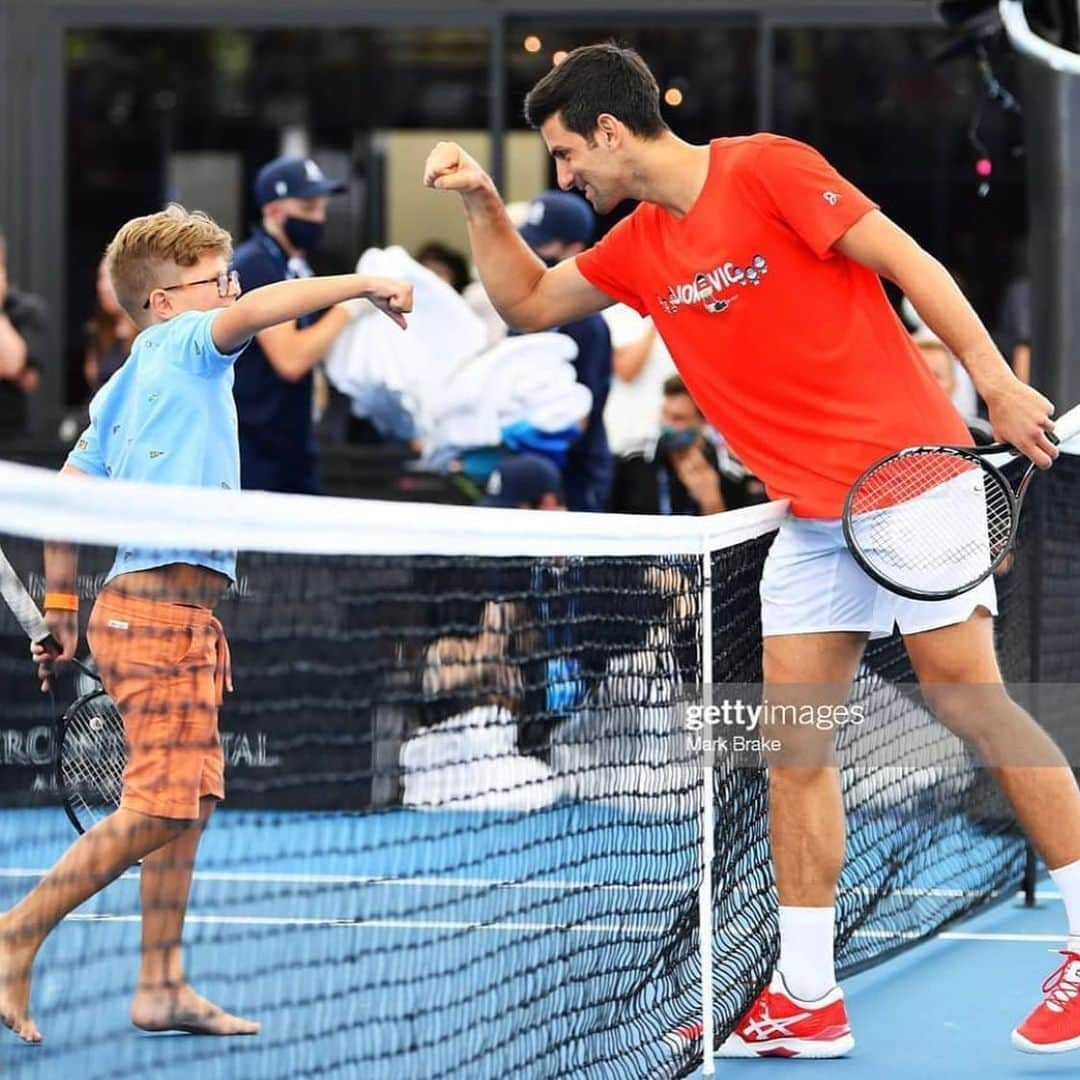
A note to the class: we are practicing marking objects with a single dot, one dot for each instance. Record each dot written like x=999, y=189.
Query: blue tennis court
x=475, y=890
x=946, y=1008
x=352, y=961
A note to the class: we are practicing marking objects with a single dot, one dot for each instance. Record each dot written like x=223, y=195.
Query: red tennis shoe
x=1054, y=1026
x=778, y=1025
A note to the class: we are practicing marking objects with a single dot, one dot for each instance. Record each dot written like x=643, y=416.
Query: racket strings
x=933, y=520
x=93, y=756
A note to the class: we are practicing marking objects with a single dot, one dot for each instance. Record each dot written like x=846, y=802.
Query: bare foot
x=179, y=1008
x=16, y=961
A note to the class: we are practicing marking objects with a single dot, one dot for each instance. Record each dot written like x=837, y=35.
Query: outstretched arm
x=526, y=294
x=285, y=301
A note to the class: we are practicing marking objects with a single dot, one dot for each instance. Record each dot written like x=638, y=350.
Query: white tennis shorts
x=812, y=585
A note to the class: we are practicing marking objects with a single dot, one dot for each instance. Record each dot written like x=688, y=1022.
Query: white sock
x=806, y=951
x=1067, y=879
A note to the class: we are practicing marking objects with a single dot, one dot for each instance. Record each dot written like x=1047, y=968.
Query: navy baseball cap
x=293, y=178
x=522, y=478
x=558, y=215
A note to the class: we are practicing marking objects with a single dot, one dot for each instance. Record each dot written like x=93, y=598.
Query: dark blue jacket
x=277, y=443
x=590, y=466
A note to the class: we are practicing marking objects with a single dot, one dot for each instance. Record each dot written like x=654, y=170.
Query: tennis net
x=464, y=816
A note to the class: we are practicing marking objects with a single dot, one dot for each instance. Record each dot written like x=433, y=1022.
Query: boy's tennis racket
x=931, y=522
x=90, y=748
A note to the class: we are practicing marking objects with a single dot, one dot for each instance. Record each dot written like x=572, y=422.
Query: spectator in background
x=524, y=482
x=641, y=364
x=449, y=264
x=24, y=328
x=681, y=472
x=963, y=393
x=274, y=380
x=946, y=370
x=109, y=334
x=559, y=226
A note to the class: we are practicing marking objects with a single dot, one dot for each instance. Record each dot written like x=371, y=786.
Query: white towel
x=459, y=396
x=528, y=378
x=373, y=352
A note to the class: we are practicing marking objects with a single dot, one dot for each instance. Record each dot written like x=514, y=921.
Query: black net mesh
x=461, y=830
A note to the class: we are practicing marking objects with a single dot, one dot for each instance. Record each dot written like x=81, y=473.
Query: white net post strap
x=708, y=825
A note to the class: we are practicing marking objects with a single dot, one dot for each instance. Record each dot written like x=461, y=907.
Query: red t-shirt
x=791, y=350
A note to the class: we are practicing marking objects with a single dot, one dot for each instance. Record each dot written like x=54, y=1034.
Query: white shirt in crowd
x=632, y=413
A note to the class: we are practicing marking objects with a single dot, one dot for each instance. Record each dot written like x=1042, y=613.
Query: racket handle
x=54, y=649
x=1067, y=426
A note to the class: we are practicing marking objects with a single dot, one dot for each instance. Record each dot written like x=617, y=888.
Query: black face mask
x=304, y=235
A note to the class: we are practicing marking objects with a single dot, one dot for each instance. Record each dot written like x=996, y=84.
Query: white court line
x=517, y=927
x=505, y=927
x=570, y=928
x=964, y=935
x=498, y=883
x=419, y=883
x=395, y=924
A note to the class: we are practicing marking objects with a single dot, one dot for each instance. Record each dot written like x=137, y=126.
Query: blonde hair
x=146, y=249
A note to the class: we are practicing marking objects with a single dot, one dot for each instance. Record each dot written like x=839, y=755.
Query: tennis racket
x=90, y=747
x=932, y=522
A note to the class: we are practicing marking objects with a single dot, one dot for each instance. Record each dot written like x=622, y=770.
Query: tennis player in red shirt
x=761, y=268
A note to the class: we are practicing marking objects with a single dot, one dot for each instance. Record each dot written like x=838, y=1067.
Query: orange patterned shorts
x=166, y=666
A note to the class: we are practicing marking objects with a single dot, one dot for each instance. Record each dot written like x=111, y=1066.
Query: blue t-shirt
x=277, y=443
x=167, y=417
x=590, y=465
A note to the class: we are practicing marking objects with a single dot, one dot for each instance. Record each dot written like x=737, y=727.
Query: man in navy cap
x=558, y=226
x=274, y=378
x=525, y=482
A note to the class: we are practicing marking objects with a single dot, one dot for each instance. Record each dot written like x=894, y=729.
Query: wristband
x=61, y=601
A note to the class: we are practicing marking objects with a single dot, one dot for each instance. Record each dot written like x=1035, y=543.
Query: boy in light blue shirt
x=166, y=417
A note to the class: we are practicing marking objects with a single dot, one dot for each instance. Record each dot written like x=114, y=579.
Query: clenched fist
x=450, y=168
x=394, y=298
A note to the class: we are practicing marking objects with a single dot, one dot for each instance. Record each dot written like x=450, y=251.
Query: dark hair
x=597, y=79
x=675, y=387
x=454, y=261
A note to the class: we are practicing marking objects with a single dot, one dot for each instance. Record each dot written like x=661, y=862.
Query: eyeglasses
x=228, y=282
